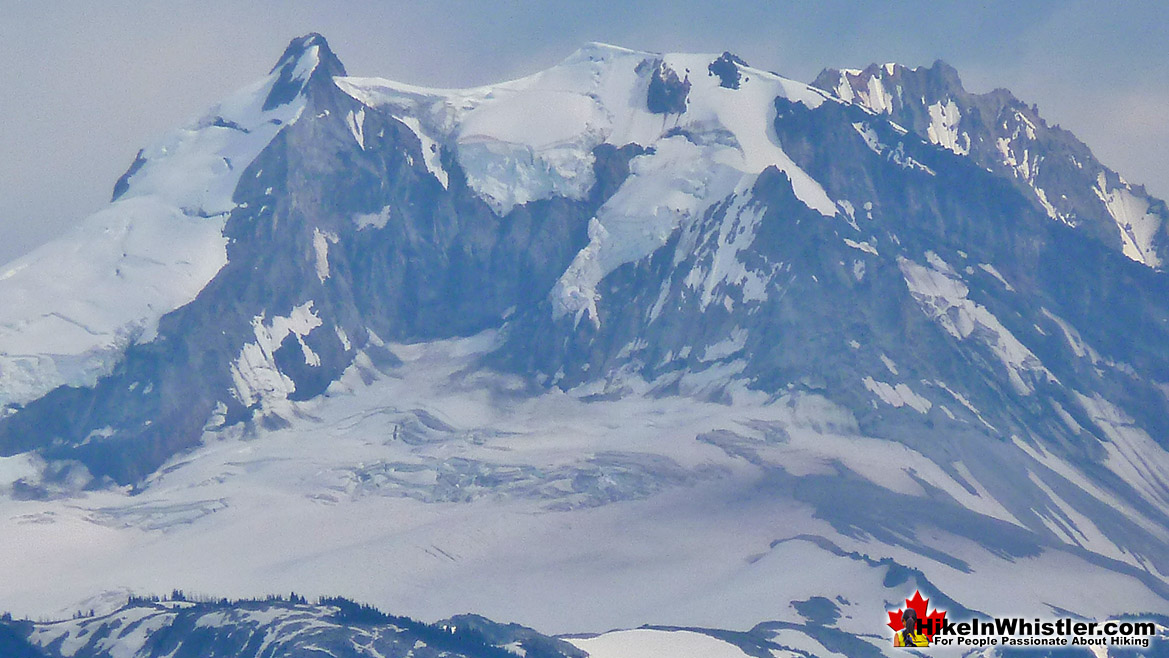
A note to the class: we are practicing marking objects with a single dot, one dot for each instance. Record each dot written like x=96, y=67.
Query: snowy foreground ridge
x=341, y=628
x=640, y=339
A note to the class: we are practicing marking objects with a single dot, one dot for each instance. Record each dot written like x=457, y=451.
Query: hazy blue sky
x=84, y=84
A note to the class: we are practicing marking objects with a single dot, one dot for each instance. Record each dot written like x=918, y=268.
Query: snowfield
x=438, y=488
x=533, y=138
x=657, y=644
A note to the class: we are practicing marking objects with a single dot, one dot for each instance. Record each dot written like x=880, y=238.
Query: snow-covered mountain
x=616, y=343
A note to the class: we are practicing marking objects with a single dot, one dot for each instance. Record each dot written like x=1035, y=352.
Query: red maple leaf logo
x=919, y=606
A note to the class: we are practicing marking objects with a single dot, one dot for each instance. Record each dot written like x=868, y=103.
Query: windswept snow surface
x=69, y=308
x=533, y=138
x=436, y=488
x=648, y=643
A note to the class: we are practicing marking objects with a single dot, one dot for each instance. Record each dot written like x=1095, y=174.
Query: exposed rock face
x=667, y=92
x=1000, y=132
x=726, y=67
x=307, y=62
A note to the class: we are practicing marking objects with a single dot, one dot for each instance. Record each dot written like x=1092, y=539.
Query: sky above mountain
x=85, y=86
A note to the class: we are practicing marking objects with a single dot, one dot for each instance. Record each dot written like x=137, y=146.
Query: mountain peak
x=940, y=77
x=1003, y=134
x=944, y=75
x=306, y=58
x=303, y=46
x=598, y=51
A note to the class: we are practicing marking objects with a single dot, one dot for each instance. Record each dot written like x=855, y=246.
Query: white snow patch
x=503, y=552
x=1072, y=336
x=899, y=157
x=344, y=338
x=1077, y=478
x=375, y=219
x=801, y=645
x=1132, y=453
x=1137, y=225
x=987, y=503
x=1066, y=417
x=431, y=156
x=943, y=128
x=889, y=364
x=355, y=121
x=1073, y=527
x=646, y=643
x=870, y=136
x=989, y=269
x=1028, y=125
x=255, y=373
x=877, y=97
x=844, y=88
x=942, y=296
x=530, y=146
x=736, y=233
x=1051, y=211
x=321, y=242
x=1018, y=158
x=725, y=347
x=862, y=246
x=25, y=466
x=897, y=396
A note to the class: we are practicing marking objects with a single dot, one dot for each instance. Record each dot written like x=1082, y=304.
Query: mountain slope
x=1003, y=134
x=158, y=244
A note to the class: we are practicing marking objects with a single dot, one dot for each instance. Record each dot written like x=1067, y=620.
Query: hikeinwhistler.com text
x=1019, y=632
